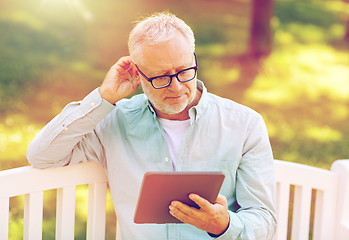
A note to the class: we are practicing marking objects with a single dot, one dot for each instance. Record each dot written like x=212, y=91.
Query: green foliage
x=302, y=88
x=221, y=35
x=16, y=218
x=309, y=21
x=15, y=135
x=305, y=12
x=27, y=53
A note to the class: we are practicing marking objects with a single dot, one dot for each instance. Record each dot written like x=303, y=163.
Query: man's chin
x=172, y=109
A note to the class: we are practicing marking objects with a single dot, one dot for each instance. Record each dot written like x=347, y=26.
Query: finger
x=135, y=82
x=123, y=66
x=184, y=208
x=181, y=214
x=134, y=72
x=200, y=201
x=118, y=69
x=222, y=200
x=126, y=69
x=130, y=70
x=124, y=62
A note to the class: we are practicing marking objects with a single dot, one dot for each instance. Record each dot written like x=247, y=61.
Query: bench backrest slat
x=302, y=181
x=33, y=214
x=308, y=200
x=65, y=213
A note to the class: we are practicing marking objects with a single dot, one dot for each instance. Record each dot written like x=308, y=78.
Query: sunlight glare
x=323, y=134
x=76, y=6
x=305, y=72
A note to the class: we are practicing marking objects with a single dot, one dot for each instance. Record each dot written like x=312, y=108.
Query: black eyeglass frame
x=170, y=76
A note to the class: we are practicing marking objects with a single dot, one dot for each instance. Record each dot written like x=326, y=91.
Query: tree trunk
x=346, y=36
x=261, y=32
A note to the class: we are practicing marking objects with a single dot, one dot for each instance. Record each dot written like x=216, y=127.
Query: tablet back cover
x=159, y=189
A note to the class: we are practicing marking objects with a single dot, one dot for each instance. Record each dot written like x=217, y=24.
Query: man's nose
x=175, y=84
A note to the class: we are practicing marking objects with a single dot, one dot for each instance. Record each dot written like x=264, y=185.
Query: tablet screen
x=159, y=189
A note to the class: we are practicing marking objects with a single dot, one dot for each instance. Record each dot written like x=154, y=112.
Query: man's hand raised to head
x=212, y=218
x=122, y=80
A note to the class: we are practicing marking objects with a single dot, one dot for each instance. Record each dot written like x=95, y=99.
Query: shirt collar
x=151, y=108
x=196, y=111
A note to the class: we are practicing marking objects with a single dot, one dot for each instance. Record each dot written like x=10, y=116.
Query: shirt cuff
x=94, y=101
x=234, y=229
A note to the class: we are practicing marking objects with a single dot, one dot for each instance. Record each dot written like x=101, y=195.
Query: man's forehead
x=174, y=64
x=162, y=67
x=173, y=54
x=156, y=61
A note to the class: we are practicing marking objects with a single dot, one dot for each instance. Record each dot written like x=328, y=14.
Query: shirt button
x=166, y=159
x=93, y=104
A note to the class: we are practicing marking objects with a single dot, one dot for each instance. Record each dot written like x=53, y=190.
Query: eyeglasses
x=163, y=81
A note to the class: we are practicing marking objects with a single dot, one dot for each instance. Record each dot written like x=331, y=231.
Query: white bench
x=297, y=187
x=323, y=193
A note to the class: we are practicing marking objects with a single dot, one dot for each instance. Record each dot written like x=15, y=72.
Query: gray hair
x=156, y=29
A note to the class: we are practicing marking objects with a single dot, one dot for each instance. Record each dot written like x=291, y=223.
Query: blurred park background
x=287, y=59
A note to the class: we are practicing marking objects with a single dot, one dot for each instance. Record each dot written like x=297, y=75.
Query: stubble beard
x=170, y=109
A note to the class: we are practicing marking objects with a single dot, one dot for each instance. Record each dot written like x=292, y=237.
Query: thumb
x=222, y=200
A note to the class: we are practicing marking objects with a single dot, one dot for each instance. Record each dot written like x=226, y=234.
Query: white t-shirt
x=174, y=133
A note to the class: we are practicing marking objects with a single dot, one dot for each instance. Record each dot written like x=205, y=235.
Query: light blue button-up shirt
x=128, y=140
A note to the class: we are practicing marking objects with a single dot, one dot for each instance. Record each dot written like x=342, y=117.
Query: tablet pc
x=159, y=189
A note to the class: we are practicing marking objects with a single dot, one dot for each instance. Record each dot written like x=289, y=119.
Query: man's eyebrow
x=164, y=72
x=159, y=73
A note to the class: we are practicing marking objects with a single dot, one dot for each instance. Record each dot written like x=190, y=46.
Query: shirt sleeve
x=255, y=188
x=70, y=137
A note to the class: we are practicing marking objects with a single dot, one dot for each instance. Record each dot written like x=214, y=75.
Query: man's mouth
x=175, y=97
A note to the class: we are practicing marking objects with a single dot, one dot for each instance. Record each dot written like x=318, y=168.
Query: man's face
x=169, y=58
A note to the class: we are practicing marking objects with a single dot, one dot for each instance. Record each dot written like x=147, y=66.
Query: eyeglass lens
x=183, y=76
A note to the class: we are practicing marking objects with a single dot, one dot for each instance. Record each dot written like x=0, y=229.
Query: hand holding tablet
x=160, y=189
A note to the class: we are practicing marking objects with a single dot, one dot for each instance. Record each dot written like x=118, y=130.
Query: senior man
x=176, y=125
